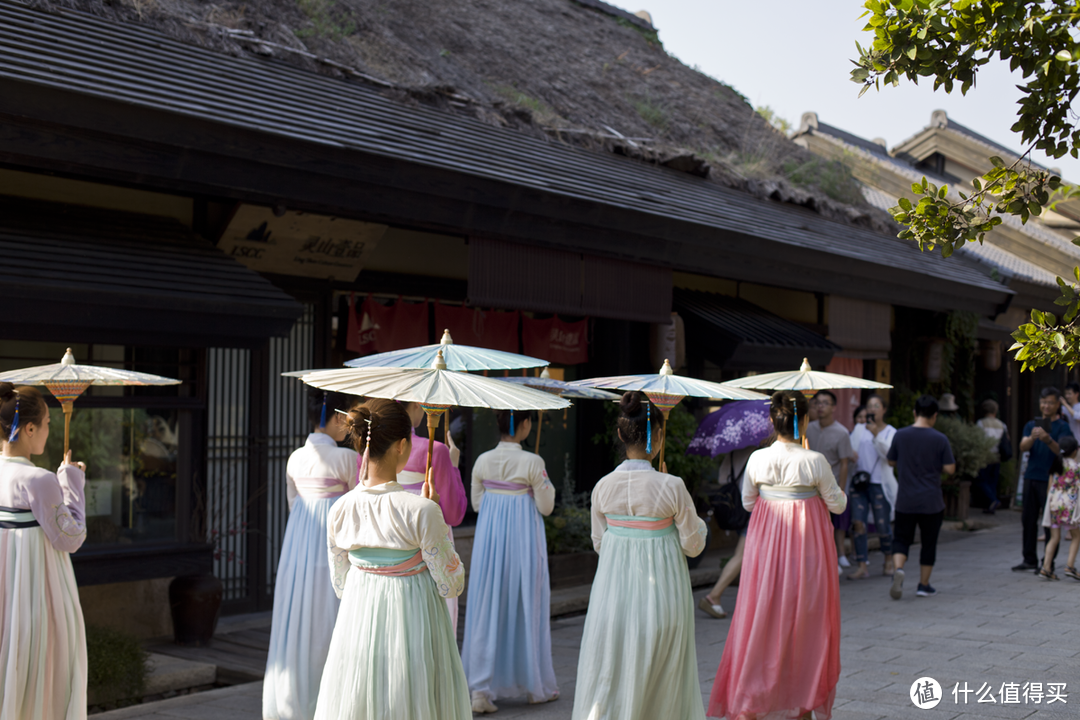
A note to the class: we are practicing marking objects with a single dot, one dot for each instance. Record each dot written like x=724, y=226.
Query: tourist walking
x=832, y=440
x=1061, y=508
x=638, y=660
x=1040, y=441
x=445, y=476
x=305, y=605
x=507, y=647
x=710, y=603
x=43, y=665
x=875, y=491
x=782, y=655
x=990, y=476
x=393, y=655
x=920, y=454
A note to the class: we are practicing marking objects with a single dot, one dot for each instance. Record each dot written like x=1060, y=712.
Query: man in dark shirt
x=1042, y=447
x=920, y=454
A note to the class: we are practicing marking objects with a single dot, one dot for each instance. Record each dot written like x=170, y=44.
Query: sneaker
x=481, y=703
x=897, y=589
x=844, y=562
x=1025, y=567
x=839, y=570
x=925, y=591
x=708, y=608
x=534, y=700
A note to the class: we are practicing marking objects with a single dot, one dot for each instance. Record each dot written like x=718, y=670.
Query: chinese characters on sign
x=299, y=243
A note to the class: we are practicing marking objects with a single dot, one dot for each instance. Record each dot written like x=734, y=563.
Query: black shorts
x=929, y=525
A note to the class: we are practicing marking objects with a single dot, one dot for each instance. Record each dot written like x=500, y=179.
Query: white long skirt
x=42, y=638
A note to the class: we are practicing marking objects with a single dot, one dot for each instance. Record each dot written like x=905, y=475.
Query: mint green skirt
x=393, y=655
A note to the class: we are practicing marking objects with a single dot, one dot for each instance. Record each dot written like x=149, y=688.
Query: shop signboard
x=299, y=243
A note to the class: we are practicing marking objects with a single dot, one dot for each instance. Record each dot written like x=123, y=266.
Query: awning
x=738, y=335
x=76, y=274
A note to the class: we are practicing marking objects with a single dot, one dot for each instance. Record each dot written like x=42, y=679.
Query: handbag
x=860, y=482
x=728, y=508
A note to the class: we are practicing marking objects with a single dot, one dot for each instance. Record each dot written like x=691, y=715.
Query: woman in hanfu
x=305, y=606
x=638, y=659
x=445, y=476
x=43, y=664
x=393, y=655
x=782, y=655
x=507, y=647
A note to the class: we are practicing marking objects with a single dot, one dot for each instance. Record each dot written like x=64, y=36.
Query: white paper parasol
x=666, y=390
x=463, y=358
x=561, y=388
x=434, y=389
x=66, y=381
x=804, y=380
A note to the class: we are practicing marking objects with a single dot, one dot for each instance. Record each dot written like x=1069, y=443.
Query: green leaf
x=1063, y=56
x=996, y=161
x=1059, y=340
x=904, y=203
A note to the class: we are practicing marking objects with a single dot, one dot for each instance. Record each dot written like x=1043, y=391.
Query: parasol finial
x=805, y=367
x=666, y=370
x=446, y=339
x=440, y=363
x=68, y=359
x=545, y=374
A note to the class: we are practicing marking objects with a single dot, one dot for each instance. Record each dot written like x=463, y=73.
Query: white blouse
x=784, y=464
x=387, y=516
x=320, y=457
x=508, y=462
x=56, y=499
x=635, y=488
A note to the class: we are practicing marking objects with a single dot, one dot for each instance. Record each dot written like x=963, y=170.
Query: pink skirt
x=782, y=655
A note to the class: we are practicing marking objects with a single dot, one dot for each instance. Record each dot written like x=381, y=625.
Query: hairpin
x=511, y=423
x=648, y=428
x=322, y=416
x=15, y=422
x=363, y=460
x=795, y=403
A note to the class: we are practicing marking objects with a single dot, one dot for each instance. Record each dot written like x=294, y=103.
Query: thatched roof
x=575, y=72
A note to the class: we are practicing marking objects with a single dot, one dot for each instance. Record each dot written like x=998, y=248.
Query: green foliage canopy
x=949, y=41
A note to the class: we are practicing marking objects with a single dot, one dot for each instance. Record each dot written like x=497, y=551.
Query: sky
x=794, y=56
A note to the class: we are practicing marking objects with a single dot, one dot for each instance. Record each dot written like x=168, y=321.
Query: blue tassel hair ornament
x=511, y=423
x=322, y=415
x=15, y=422
x=795, y=403
x=648, y=428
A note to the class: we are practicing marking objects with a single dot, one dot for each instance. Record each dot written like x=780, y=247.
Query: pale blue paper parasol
x=561, y=388
x=666, y=390
x=462, y=358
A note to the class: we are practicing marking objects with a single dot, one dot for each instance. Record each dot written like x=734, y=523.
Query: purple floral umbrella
x=739, y=424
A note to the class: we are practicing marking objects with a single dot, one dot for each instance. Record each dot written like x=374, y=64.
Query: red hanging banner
x=556, y=340
x=375, y=327
x=480, y=328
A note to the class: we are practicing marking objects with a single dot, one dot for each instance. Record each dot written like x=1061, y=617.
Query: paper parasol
x=462, y=358
x=561, y=388
x=435, y=389
x=804, y=380
x=666, y=390
x=67, y=381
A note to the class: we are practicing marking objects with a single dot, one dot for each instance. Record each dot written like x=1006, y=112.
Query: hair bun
x=7, y=391
x=630, y=404
x=783, y=403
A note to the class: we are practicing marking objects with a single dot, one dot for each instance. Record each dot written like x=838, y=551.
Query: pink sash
x=414, y=488
x=498, y=485
x=402, y=569
x=643, y=524
x=319, y=488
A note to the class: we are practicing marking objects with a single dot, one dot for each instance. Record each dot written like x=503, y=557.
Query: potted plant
x=973, y=450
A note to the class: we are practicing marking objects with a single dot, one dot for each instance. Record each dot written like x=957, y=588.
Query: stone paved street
x=986, y=625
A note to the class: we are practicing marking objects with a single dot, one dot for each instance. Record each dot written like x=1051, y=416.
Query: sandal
x=859, y=575
x=1047, y=575
x=709, y=609
x=1071, y=572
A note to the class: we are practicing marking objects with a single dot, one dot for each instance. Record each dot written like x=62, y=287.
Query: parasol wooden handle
x=433, y=418
x=663, y=437
x=67, y=407
x=539, y=427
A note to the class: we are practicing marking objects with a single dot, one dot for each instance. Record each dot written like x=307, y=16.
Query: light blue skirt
x=638, y=660
x=507, y=648
x=393, y=656
x=305, y=608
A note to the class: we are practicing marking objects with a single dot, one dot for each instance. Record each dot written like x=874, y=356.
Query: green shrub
x=971, y=447
x=116, y=662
